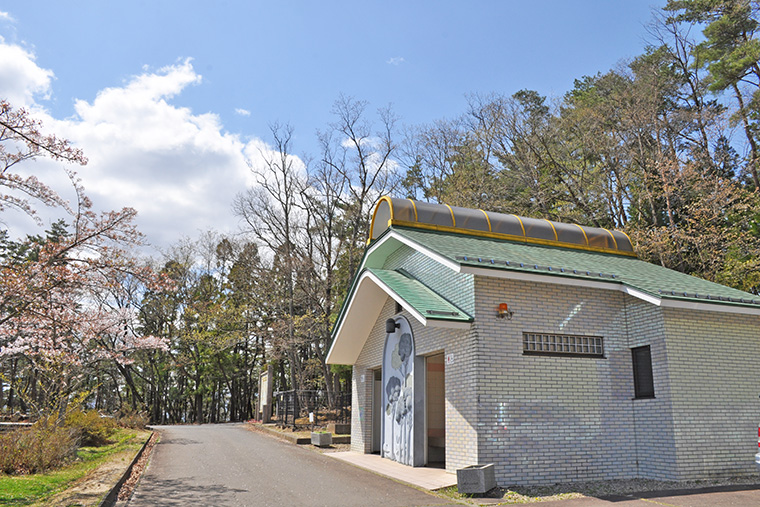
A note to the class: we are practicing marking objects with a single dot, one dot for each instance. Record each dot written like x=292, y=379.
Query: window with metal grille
x=563, y=345
x=643, y=380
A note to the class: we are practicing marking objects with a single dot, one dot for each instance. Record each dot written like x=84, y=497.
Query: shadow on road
x=178, y=441
x=185, y=492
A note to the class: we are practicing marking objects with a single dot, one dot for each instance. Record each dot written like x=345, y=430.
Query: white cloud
x=21, y=79
x=242, y=112
x=180, y=170
x=396, y=60
x=6, y=16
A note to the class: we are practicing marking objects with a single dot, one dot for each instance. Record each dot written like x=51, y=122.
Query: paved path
x=226, y=464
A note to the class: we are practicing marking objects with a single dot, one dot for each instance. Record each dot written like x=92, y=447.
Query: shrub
x=93, y=429
x=36, y=449
x=133, y=419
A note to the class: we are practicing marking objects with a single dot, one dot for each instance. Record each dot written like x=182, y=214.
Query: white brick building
x=601, y=366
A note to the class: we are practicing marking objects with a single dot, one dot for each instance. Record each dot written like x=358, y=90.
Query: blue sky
x=170, y=98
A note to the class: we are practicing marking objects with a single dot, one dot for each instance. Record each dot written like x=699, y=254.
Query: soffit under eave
x=360, y=315
x=363, y=308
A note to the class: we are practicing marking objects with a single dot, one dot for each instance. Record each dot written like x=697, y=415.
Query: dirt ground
x=91, y=489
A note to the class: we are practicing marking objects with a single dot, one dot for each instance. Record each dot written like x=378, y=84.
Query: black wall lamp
x=391, y=326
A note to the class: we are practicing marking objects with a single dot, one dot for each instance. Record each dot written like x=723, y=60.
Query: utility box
x=476, y=479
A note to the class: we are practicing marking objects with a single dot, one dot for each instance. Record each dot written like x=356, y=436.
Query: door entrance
x=377, y=409
x=435, y=386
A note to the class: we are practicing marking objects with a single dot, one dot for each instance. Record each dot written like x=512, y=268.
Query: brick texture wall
x=715, y=385
x=553, y=419
x=653, y=432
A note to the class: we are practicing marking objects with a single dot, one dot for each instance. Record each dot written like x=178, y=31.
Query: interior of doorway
x=377, y=409
x=435, y=408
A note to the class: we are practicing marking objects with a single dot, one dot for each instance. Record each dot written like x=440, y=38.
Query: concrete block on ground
x=321, y=439
x=476, y=479
x=339, y=429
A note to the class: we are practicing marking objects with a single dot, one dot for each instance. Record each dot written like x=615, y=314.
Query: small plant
x=133, y=419
x=36, y=449
x=94, y=430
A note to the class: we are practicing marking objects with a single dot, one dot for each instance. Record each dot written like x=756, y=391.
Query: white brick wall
x=553, y=419
x=654, y=452
x=714, y=362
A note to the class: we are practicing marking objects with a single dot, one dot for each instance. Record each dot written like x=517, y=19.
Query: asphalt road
x=226, y=464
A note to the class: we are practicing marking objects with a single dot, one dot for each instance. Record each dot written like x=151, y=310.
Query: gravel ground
x=137, y=469
x=530, y=494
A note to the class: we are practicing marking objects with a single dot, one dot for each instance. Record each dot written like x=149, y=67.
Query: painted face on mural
x=405, y=347
x=393, y=389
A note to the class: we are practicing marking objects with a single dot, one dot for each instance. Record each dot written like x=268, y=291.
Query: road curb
x=112, y=497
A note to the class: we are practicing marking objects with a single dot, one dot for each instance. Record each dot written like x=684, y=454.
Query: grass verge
x=596, y=489
x=509, y=496
x=35, y=489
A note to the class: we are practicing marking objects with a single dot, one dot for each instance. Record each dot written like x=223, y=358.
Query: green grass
x=35, y=488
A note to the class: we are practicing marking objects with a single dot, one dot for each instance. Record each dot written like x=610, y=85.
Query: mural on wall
x=398, y=394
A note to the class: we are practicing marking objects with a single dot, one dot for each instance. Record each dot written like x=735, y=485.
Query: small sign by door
x=449, y=358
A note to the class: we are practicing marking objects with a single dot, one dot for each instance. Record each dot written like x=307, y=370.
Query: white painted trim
x=449, y=324
x=345, y=314
x=708, y=307
x=535, y=277
x=642, y=295
x=454, y=266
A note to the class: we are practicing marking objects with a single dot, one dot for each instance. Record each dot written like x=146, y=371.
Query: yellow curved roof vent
x=475, y=222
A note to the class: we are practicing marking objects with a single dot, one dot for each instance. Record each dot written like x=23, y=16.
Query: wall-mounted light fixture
x=503, y=311
x=391, y=326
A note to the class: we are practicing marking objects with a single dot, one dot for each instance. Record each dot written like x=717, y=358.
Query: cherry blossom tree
x=70, y=301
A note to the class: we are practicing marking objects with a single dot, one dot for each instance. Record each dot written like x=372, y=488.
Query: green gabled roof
x=427, y=303
x=651, y=279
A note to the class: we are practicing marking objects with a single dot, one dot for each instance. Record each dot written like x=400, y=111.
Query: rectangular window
x=562, y=345
x=643, y=380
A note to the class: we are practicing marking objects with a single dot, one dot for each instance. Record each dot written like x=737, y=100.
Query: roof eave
x=617, y=285
x=372, y=292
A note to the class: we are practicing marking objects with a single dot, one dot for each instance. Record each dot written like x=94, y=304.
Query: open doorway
x=377, y=409
x=435, y=400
